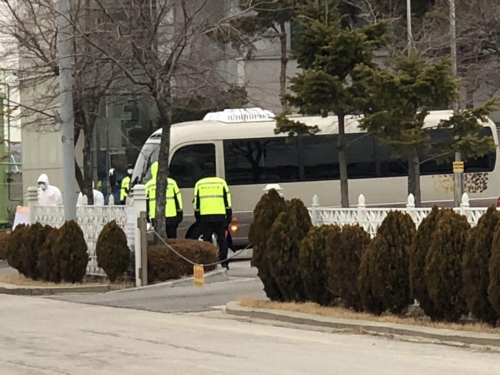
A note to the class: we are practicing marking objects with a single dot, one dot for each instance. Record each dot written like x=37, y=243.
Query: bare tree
x=161, y=46
x=478, y=43
x=31, y=25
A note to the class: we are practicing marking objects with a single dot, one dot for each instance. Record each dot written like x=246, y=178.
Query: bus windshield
x=148, y=155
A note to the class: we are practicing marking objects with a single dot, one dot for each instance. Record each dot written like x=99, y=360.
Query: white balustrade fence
x=92, y=219
x=370, y=218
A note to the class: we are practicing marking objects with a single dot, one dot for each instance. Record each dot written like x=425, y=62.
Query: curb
x=49, y=291
x=443, y=335
x=214, y=276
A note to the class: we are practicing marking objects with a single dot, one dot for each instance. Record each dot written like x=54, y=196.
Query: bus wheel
x=194, y=233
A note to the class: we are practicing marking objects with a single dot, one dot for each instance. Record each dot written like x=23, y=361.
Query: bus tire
x=194, y=232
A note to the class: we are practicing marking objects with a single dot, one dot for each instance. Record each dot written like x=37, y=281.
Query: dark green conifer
x=265, y=213
x=344, y=262
x=418, y=256
x=443, y=270
x=285, y=236
x=384, y=282
x=476, y=259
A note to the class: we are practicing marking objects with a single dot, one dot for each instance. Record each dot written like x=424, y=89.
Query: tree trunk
x=165, y=119
x=284, y=63
x=344, y=184
x=469, y=97
x=414, y=176
x=87, y=166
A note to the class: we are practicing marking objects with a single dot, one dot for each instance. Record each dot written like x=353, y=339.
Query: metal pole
x=409, y=30
x=458, y=170
x=64, y=45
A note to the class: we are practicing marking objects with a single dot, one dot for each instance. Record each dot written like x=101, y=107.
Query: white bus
x=249, y=156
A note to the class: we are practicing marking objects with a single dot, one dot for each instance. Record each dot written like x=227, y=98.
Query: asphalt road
x=41, y=336
x=243, y=282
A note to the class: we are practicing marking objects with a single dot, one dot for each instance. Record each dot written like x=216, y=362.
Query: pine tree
x=443, y=269
x=400, y=100
x=418, y=256
x=476, y=278
x=384, y=282
x=265, y=213
x=327, y=54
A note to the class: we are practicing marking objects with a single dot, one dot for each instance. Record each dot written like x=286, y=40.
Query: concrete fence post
x=362, y=221
x=314, y=210
x=140, y=200
x=32, y=199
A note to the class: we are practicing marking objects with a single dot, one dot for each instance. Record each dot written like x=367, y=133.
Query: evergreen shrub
x=113, y=254
x=30, y=248
x=418, y=256
x=313, y=261
x=70, y=252
x=4, y=236
x=344, y=262
x=285, y=236
x=443, y=269
x=13, y=246
x=494, y=272
x=383, y=281
x=476, y=259
x=48, y=267
x=265, y=213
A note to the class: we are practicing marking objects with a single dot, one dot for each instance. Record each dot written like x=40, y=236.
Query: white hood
x=44, y=178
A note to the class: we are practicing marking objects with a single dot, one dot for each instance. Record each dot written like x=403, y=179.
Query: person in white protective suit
x=98, y=198
x=48, y=195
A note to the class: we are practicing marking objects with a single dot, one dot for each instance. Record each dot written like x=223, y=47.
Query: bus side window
x=186, y=166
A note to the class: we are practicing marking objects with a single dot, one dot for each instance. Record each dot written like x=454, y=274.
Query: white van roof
x=256, y=123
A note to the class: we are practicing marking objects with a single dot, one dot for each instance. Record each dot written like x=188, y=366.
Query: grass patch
x=338, y=312
x=19, y=280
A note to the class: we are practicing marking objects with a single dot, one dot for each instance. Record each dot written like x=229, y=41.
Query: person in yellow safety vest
x=173, y=203
x=125, y=185
x=212, y=209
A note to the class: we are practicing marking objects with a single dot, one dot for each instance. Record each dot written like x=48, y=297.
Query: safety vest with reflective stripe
x=211, y=196
x=124, y=188
x=173, y=202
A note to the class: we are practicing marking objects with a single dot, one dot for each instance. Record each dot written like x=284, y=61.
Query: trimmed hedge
x=30, y=248
x=14, y=244
x=476, y=259
x=494, y=272
x=265, y=213
x=70, y=252
x=113, y=254
x=4, y=236
x=383, y=281
x=313, y=260
x=346, y=249
x=443, y=270
x=164, y=264
x=50, y=270
x=285, y=236
x=418, y=256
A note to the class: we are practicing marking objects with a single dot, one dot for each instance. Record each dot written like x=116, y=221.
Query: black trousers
x=171, y=230
x=219, y=228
